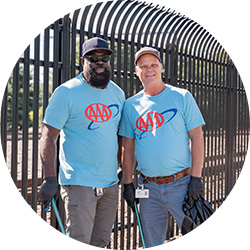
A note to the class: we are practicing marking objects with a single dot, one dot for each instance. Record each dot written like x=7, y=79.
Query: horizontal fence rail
x=193, y=59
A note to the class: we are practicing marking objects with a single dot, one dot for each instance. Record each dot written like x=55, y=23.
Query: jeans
x=163, y=198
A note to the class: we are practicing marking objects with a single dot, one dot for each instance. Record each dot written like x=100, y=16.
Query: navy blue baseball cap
x=94, y=44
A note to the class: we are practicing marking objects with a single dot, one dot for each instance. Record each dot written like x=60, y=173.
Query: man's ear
x=136, y=70
x=82, y=60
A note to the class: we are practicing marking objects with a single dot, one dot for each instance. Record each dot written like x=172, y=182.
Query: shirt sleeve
x=126, y=127
x=192, y=113
x=122, y=99
x=58, y=109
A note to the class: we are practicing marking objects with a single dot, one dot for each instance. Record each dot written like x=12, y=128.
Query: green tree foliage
x=10, y=101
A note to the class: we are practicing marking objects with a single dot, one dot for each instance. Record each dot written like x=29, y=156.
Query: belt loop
x=174, y=177
x=145, y=180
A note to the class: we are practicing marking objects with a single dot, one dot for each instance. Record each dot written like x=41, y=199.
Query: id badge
x=141, y=192
x=99, y=192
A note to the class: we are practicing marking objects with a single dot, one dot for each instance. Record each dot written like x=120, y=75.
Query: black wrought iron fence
x=192, y=58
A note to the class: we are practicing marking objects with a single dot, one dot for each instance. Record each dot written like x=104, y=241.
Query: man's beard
x=98, y=80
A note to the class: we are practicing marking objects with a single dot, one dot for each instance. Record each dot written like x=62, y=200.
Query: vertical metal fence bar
x=207, y=112
x=100, y=20
x=46, y=69
x=83, y=31
x=214, y=118
x=238, y=128
x=56, y=54
x=14, y=118
x=223, y=101
x=247, y=123
x=174, y=51
x=133, y=87
x=65, y=50
x=204, y=109
x=128, y=52
x=25, y=122
x=45, y=87
x=219, y=130
x=229, y=131
x=234, y=118
x=35, y=124
x=107, y=25
x=244, y=120
x=57, y=80
x=92, y=19
x=223, y=104
x=155, y=12
x=169, y=55
x=129, y=227
x=151, y=30
x=180, y=44
x=115, y=234
x=211, y=122
x=4, y=123
x=73, y=66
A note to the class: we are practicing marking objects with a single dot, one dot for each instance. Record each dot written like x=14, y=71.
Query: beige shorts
x=89, y=218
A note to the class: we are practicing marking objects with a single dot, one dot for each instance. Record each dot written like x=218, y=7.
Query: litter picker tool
x=57, y=215
x=139, y=223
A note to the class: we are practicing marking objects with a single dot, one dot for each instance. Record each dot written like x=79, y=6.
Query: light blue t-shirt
x=160, y=126
x=88, y=119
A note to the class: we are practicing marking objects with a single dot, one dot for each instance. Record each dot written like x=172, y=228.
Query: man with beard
x=86, y=111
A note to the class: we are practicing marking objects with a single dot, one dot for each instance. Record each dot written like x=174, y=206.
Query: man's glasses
x=95, y=59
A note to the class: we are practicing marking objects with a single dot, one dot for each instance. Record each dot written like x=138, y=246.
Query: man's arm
x=119, y=154
x=195, y=186
x=49, y=187
x=48, y=149
x=197, y=150
x=119, y=158
x=128, y=158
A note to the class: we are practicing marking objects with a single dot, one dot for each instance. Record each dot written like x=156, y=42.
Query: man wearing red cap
x=158, y=124
x=86, y=111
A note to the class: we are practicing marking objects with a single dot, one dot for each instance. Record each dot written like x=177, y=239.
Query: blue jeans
x=163, y=198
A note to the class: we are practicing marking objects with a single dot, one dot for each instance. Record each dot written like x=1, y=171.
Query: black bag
x=199, y=211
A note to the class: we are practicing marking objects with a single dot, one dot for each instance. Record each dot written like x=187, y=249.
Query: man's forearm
x=197, y=151
x=128, y=167
x=197, y=158
x=47, y=154
x=48, y=150
x=128, y=157
x=119, y=154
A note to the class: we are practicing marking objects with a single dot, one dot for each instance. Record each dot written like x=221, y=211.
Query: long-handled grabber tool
x=57, y=215
x=139, y=224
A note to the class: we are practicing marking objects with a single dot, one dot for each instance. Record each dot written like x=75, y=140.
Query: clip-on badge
x=141, y=192
x=99, y=192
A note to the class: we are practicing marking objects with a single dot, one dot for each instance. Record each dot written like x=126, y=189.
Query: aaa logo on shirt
x=149, y=121
x=98, y=112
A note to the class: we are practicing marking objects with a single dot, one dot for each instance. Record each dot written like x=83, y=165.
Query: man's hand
x=129, y=195
x=49, y=189
x=195, y=189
